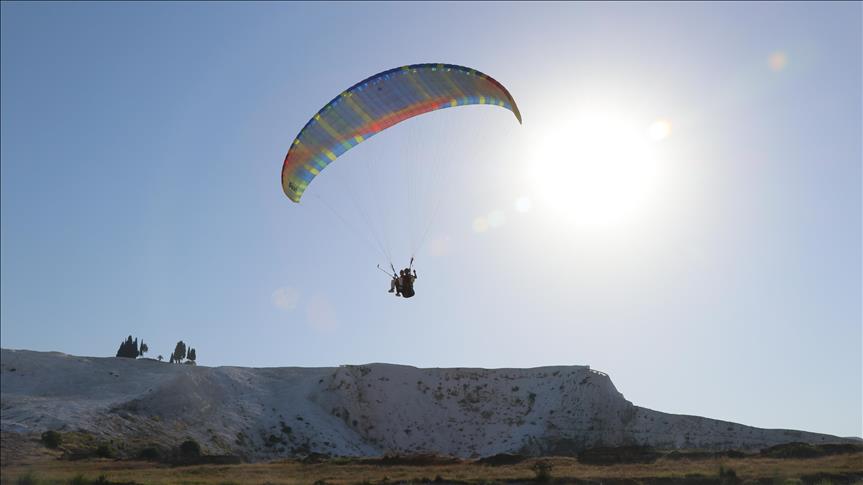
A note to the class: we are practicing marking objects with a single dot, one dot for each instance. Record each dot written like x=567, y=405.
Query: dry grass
x=49, y=471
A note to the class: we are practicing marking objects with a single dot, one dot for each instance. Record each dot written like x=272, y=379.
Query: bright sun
x=598, y=170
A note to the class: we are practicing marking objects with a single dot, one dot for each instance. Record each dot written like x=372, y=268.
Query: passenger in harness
x=408, y=282
x=403, y=284
x=396, y=283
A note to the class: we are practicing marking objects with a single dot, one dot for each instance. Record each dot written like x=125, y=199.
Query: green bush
x=542, y=469
x=79, y=480
x=104, y=451
x=27, y=479
x=793, y=450
x=190, y=449
x=150, y=453
x=52, y=439
x=617, y=455
x=727, y=476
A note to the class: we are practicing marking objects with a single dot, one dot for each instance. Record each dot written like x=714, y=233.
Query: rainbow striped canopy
x=377, y=103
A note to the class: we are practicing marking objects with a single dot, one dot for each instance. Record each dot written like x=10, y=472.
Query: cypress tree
x=128, y=348
x=180, y=351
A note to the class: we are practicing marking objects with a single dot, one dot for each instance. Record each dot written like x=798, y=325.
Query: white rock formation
x=350, y=410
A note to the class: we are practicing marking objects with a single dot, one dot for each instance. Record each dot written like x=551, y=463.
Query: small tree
x=192, y=355
x=160, y=358
x=128, y=348
x=121, y=352
x=51, y=439
x=143, y=349
x=180, y=351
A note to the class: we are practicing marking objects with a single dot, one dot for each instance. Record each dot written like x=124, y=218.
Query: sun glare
x=598, y=170
x=660, y=129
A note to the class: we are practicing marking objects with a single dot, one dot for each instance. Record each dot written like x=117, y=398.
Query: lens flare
x=496, y=218
x=777, y=61
x=480, y=225
x=439, y=246
x=660, y=129
x=286, y=298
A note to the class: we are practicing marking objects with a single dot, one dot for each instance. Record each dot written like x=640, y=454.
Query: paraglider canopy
x=377, y=103
x=373, y=105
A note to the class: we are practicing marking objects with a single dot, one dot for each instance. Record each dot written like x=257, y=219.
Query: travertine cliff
x=350, y=410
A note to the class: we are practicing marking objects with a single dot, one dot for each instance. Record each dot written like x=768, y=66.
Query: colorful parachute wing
x=378, y=103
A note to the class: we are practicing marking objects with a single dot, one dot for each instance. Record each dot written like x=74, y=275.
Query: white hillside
x=350, y=410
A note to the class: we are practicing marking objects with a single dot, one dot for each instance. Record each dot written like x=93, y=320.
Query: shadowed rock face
x=350, y=410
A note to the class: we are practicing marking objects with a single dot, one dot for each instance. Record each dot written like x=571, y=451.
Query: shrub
x=216, y=460
x=618, y=455
x=727, y=476
x=542, y=469
x=150, y=453
x=82, y=480
x=418, y=459
x=501, y=459
x=837, y=449
x=28, y=479
x=52, y=439
x=104, y=451
x=79, y=480
x=793, y=450
x=190, y=449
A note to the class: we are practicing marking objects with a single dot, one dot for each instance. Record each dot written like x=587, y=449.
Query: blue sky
x=142, y=145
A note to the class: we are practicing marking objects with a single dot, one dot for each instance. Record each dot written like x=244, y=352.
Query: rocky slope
x=350, y=410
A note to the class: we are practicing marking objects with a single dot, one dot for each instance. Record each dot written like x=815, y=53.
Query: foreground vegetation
x=834, y=469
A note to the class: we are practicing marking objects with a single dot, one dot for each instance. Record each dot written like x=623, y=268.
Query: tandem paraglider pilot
x=374, y=105
x=403, y=284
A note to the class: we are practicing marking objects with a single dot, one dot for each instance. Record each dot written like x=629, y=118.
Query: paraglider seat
x=408, y=291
